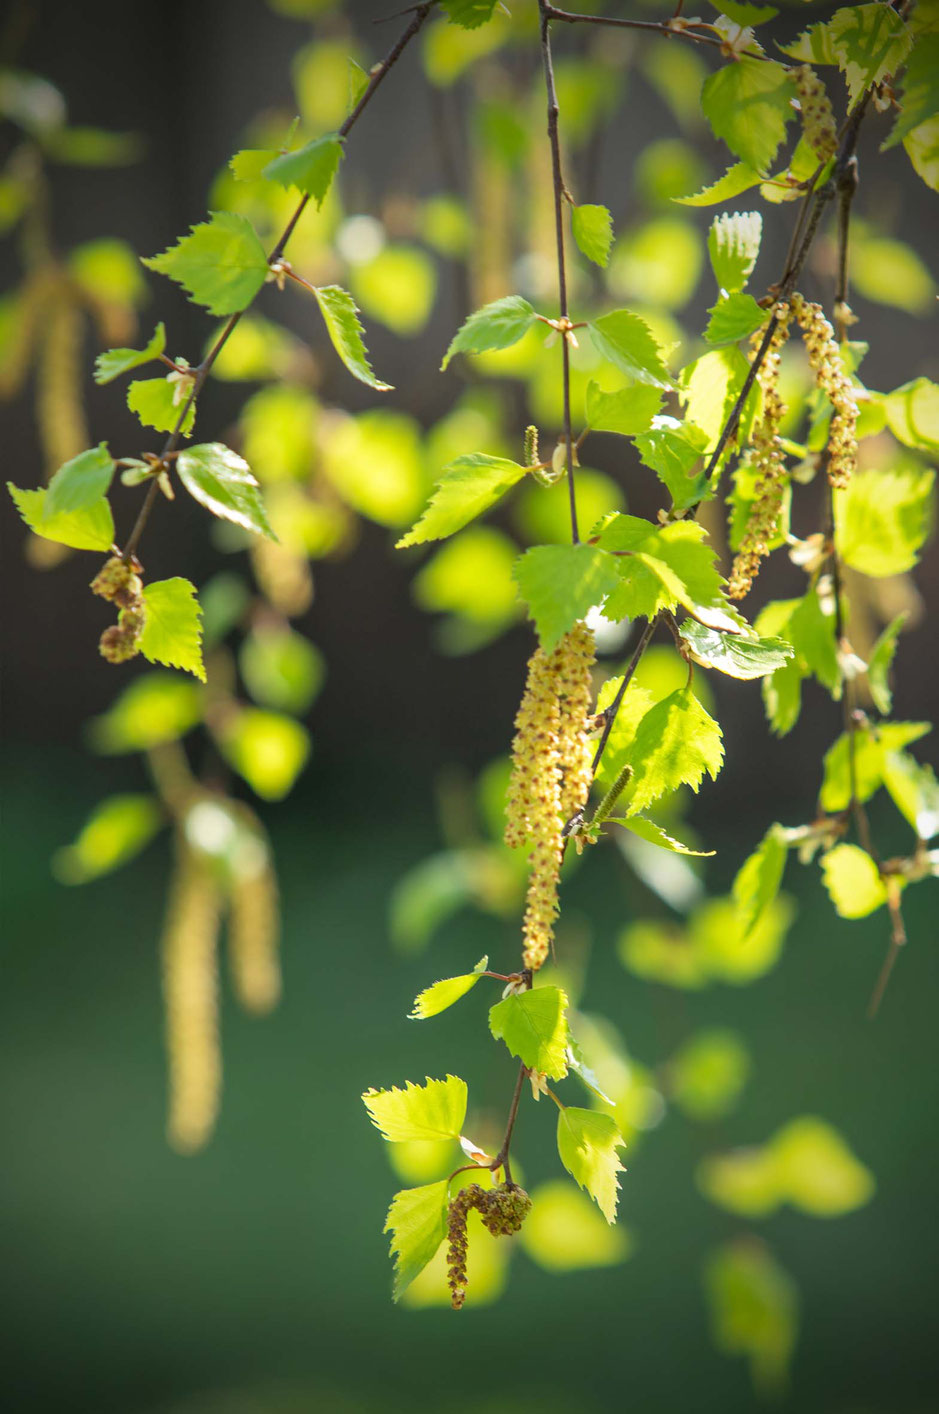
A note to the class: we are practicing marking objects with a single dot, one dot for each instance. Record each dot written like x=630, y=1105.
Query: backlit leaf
x=561, y=584
x=736, y=654
x=652, y=833
x=345, y=331
x=435, y=1110
x=592, y=227
x=754, y=1309
x=154, y=400
x=856, y=761
x=267, y=748
x=311, y=168
x=739, y=178
x=853, y=881
x=880, y=662
x=882, y=520
x=172, y=632
x=627, y=341
x=734, y=318
x=440, y=995
x=79, y=483
x=466, y=489
x=417, y=1221
x=223, y=482
x=759, y=878
x=115, y=832
x=533, y=1026
x=673, y=449
x=496, y=326
x=114, y=362
x=747, y=104
x=675, y=744
x=221, y=263
x=565, y=1233
x=914, y=790
x=587, y=1145
x=91, y=528
x=733, y=246
x=627, y=411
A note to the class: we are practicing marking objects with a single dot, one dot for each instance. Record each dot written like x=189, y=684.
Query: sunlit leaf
x=593, y=232
x=221, y=263
x=561, y=584
x=880, y=662
x=440, y=995
x=753, y=1304
x=736, y=654
x=675, y=744
x=628, y=343
x=758, y=879
x=224, y=483
x=155, y=401
x=466, y=489
x=496, y=326
x=115, y=832
x=734, y=318
x=708, y=1074
x=627, y=411
x=733, y=246
x=435, y=1110
x=154, y=708
x=533, y=1026
x=114, y=362
x=345, y=331
x=417, y=1221
x=267, y=748
x=737, y=179
x=311, y=168
x=565, y=1233
x=748, y=104
x=853, y=881
x=172, y=631
x=79, y=483
x=882, y=520
x=91, y=528
x=587, y=1145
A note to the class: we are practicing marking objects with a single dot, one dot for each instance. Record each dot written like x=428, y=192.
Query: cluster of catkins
x=765, y=457
x=551, y=775
x=120, y=584
x=825, y=358
x=503, y=1209
x=818, y=118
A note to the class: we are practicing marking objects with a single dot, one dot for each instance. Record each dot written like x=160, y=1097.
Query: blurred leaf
x=224, y=601
x=78, y=484
x=449, y=50
x=667, y=168
x=91, y=147
x=922, y=148
x=914, y=790
x=543, y=513
x=728, y=953
x=759, y=878
x=281, y=669
x=268, y=749
x=661, y=952
x=882, y=520
x=155, y=708
x=441, y=995
x=115, y=832
x=737, y=179
x=172, y=631
x=375, y=463
x=853, y=881
x=114, y=362
x=707, y=1075
x=397, y=286
x=657, y=263
x=279, y=433
x=890, y=272
x=498, y=325
x=587, y=1145
x=626, y=341
x=465, y=489
x=435, y=1110
x=257, y=349
x=744, y=1181
x=919, y=96
x=108, y=270
x=592, y=228
x=564, y=1233
x=754, y=1309
x=817, y=1172
x=533, y=1026
x=221, y=264
x=747, y=103
x=860, y=758
x=91, y=528
x=322, y=81
x=469, y=14
x=345, y=331
x=880, y=663
x=440, y=885
x=421, y=1160
x=311, y=168
x=155, y=401
x=417, y=1221
x=471, y=578
x=913, y=414
x=561, y=583
x=223, y=482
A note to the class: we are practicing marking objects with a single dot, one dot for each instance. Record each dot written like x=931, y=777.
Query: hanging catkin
x=765, y=457
x=575, y=690
x=254, y=936
x=190, y=992
x=825, y=358
x=60, y=415
x=818, y=119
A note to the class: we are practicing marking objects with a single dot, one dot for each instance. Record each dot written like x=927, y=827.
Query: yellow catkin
x=765, y=457
x=818, y=119
x=283, y=576
x=825, y=358
x=190, y=992
x=59, y=412
x=575, y=656
x=254, y=938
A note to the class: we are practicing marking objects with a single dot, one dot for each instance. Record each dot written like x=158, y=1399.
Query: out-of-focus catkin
x=254, y=937
x=189, y=952
x=825, y=358
x=59, y=412
x=765, y=457
x=818, y=119
x=284, y=576
x=550, y=777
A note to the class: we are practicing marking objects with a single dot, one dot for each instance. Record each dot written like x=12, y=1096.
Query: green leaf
x=737, y=179
x=280, y=668
x=154, y=708
x=91, y=528
x=154, y=400
x=338, y=309
x=561, y=584
x=661, y=567
x=311, y=168
x=417, y=1221
x=709, y=387
x=675, y=744
x=810, y=628
x=652, y=833
x=533, y=1026
x=468, y=14
x=913, y=414
x=172, y=632
x=734, y=318
x=754, y=1310
x=115, y=832
x=498, y=325
x=593, y=231
x=628, y=411
x=248, y=165
x=466, y=489
x=748, y=104
x=882, y=519
x=268, y=749
x=708, y=1074
x=865, y=41
x=922, y=148
x=222, y=263
x=919, y=95
x=435, y=1110
x=112, y=364
x=79, y=483
x=817, y=1171
x=565, y=1233
x=914, y=790
x=223, y=482
x=626, y=340
x=880, y=662
x=733, y=246
x=440, y=995
x=745, y=14
x=735, y=654
x=853, y=881
x=672, y=449
x=587, y=1145
x=758, y=879
x=870, y=746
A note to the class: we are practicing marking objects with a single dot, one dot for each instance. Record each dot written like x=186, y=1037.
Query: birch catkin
x=575, y=655
x=825, y=358
x=190, y=991
x=254, y=937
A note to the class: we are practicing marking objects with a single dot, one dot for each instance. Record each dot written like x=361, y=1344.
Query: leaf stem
x=613, y=709
x=667, y=30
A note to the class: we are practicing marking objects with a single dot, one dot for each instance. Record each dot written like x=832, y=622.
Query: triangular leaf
x=675, y=744
x=759, y=878
x=747, y=104
x=533, y=1026
x=561, y=584
x=224, y=483
x=310, y=169
x=157, y=403
x=592, y=227
x=440, y=995
x=733, y=246
x=628, y=411
x=79, y=483
x=435, y=1110
x=114, y=362
x=172, y=631
x=466, y=489
x=417, y=1221
x=498, y=325
x=587, y=1145
x=91, y=528
x=626, y=340
x=221, y=263
x=338, y=309
x=734, y=318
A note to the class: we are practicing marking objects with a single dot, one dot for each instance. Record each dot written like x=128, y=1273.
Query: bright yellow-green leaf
x=675, y=744
x=709, y=388
x=733, y=246
x=856, y=762
x=913, y=414
x=417, y=1221
x=592, y=227
x=922, y=148
x=890, y=272
x=267, y=748
x=397, y=286
x=224, y=483
x=80, y=483
x=157, y=403
x=587, y=1145
x=561, y=584
x=435, y=1110
x=117, y=830
x=914, y=790
x=657, y=263
x=345, y=331
x=311, y=168
x=440, y=995
x=487, y=1261
x=734, y=318
x=745, y=1181
x=280, y=668
x=759, y=877
x=154, y=708
x=853, y=881
x=708, y=1074
x=498, y=325
x=172, y=631
x=279, y=433
x=91, y=528
x=817, y=1171
x=880, y=662
x=533, y=1026
x=221, y=263
x=627, y=342
x=375, y=463
x=754, y=1312
x=108, y=270
x=737, y=179
x=882, y=520
x=748, y=104
x=565, y=1233
x=727, y=953
x=466, y=489
x=627, y=410
x=114, y=362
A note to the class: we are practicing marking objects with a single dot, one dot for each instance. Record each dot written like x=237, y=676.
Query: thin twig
x=559, y=194
x=665, y=29
x=897, y=941
x=611, y=711
x=205, y=367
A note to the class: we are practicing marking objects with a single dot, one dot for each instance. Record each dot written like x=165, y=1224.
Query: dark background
x=253, y=1278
